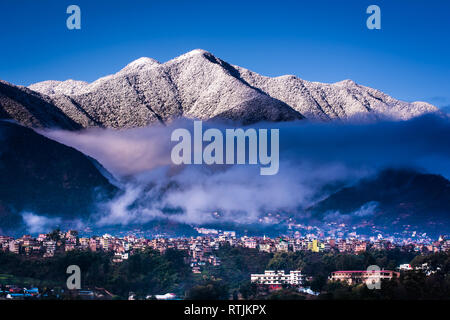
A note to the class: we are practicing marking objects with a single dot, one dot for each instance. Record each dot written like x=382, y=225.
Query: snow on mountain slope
x=31, y=108
x=199, y=85
x=208, y=88
x=67, y=87
x=340, y=100
x=195, y=85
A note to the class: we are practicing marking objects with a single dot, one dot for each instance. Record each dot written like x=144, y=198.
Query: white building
x=50, y=247
x=14, y=246
x=405, y=267
x=167, y=296
x=250, y=243
x=278, y=278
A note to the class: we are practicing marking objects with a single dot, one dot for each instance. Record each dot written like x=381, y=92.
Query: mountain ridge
x=201, y=86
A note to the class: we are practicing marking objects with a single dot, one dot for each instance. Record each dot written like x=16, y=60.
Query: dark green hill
x=45, y=177
x=405, y=196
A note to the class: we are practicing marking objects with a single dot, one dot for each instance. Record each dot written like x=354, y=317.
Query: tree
x=210, y=290
x=55, y=235
x=249, y=290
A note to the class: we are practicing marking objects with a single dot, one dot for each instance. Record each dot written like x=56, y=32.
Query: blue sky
x=325, y=41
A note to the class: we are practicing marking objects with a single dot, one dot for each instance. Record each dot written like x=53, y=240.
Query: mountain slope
x=194, y=85
x=401, y=197
x=31, y=108
x=200, y=85
x=44, y=177
x=341, y=100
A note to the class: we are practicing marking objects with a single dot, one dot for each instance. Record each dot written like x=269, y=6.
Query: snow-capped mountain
x=194, y=85
x=199, y=85
x=340, y=100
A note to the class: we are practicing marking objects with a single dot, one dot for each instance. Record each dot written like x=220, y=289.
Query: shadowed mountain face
x=393, y=197
x=196, y=85
x=41, y=176
x=31, y=108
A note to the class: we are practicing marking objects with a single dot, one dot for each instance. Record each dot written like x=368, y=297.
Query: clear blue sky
x=318, y=40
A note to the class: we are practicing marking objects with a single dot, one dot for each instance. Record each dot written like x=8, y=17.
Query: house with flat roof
x=357, y=276
x=270, y=277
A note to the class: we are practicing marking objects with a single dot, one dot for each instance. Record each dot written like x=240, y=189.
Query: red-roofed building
x=356, y=276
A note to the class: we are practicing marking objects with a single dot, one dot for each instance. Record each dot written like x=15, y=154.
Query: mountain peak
x=193, y=53
x=140, y=63
x=346, y=83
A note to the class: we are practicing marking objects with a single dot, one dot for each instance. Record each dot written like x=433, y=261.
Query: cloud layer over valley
x=315, y=160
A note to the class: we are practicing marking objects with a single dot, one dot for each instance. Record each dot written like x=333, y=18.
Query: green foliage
x=146, y=272
x=248, y=290
x=209, y=290
x=237, y=265
x=435, y=260
x=54, y=235
x=286, y=294
x=411, y=285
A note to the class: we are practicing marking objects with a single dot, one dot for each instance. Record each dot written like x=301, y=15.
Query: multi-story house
x=14, y=246
x=270, y=277
x=352, y=277
x=50, y=248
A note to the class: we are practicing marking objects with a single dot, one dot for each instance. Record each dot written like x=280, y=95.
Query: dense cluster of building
x=201, y=249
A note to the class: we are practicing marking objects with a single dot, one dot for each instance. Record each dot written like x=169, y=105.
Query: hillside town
x=200, y=253
x=200, y=249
